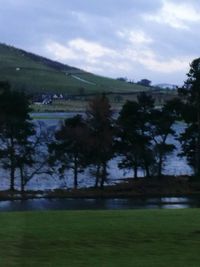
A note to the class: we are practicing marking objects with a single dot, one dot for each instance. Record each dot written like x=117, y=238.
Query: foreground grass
x=136, y=238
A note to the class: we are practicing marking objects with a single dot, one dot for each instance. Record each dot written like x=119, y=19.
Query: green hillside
x=36, y=74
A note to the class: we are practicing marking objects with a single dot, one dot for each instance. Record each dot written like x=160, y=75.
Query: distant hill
x=35, y=74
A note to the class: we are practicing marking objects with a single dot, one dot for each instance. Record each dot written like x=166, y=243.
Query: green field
x=139, y=238
x=35, y=74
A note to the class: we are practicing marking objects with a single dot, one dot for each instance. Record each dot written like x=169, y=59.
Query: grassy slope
x=40, y=75
x=150, y=238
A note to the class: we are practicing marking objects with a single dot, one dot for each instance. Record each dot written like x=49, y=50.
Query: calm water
x=100, y=204
x=173, y=165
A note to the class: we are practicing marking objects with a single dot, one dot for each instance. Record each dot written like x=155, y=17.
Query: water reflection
x=101, y=204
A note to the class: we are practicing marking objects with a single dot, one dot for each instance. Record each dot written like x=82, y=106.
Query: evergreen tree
x=134, y=141
x=15, y=131
x=33, y=157
x=162, y=122
x=100, y=145
x=69, y=147
x=190, y=139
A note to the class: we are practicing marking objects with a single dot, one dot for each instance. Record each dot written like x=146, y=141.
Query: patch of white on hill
x=82, y=80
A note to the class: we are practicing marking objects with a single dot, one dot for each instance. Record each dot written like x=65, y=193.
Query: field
x=139, y=238
x=76, y=105
x=61, y=106
x=35, y=74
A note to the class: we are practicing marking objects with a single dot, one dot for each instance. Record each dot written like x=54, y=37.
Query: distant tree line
x=143, y=82
x=138, y=136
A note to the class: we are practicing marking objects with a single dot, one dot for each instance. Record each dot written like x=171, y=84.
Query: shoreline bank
x=128, y=188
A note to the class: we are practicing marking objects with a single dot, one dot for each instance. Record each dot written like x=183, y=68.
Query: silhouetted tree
x=134, y=141
x=144, y=82
x=15, y=129
x=69, y=146
x=122, y=79
x=99, y=120
x=161, y=128
x=190, y=139
x=34, y=156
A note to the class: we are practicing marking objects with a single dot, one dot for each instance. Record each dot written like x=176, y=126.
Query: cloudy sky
x=154, y=39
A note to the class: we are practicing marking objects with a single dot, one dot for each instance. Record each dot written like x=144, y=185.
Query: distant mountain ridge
x=36, y=74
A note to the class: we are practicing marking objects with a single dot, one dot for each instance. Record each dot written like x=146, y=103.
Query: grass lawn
x=137, y=238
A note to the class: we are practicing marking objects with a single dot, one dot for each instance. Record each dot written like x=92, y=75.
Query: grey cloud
x=31, y=24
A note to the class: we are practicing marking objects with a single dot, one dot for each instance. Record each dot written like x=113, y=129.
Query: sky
x=153, y=39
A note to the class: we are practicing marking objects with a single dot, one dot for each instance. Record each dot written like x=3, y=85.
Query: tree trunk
x=12, y=166
x=97, y=176
x=12, y=179
x=135, y=168
x=160, y=163
x=147, y=163
x=104, y=174
x=147, y=170
x=135, y=171
x=22, y=180
x=75, y=174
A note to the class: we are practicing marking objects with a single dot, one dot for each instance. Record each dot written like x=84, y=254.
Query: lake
x=173, y=165
x=100, y=204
